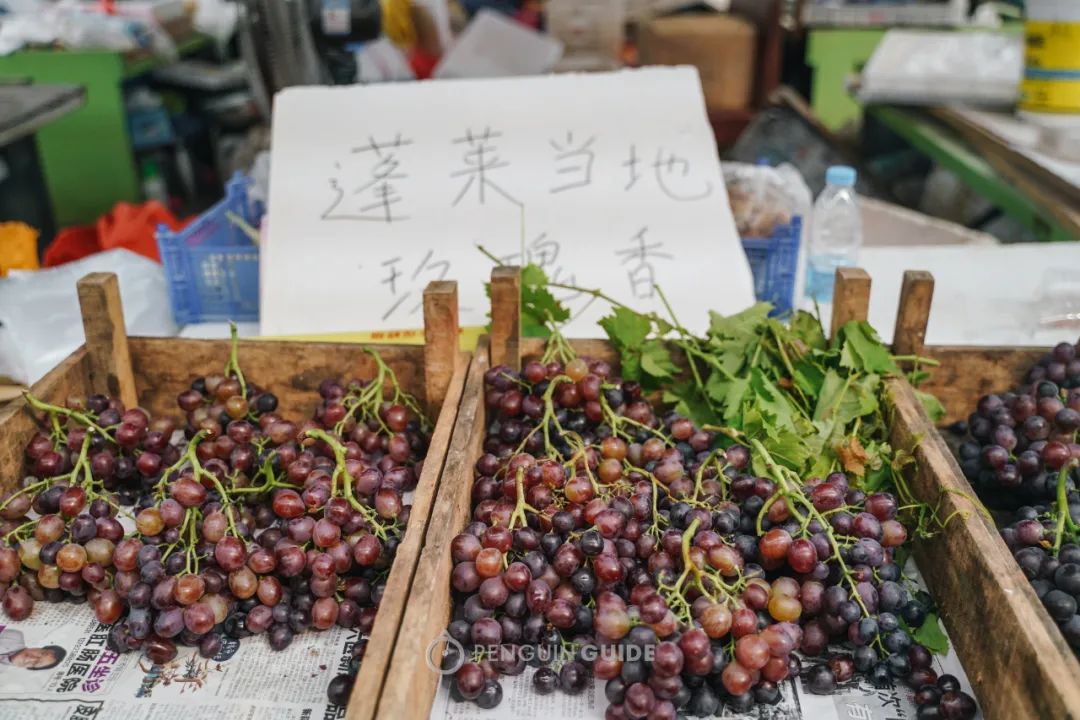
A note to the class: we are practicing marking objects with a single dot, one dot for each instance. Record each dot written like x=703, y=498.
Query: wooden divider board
x=1016, y=659
x=384, y=634
x=410, y=685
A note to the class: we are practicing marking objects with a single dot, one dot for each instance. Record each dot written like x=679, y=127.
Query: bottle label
x=336, y=17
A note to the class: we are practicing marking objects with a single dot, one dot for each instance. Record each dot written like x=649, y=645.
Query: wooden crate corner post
x=506, y=316
x=913, y=312
x=106, y=337
x=441, y=339
x=851, y=297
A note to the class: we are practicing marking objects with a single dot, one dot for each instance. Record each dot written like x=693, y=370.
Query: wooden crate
x=1015, y=658
x=151, y=372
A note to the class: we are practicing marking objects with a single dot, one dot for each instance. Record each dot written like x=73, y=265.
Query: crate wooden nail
x=151, y=372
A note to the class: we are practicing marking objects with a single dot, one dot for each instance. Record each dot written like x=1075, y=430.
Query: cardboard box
x=591, y=31
x=721, y=47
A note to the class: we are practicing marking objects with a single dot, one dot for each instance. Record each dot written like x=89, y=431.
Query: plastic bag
x=764, y=197
x=125, y=226
x=40, y=323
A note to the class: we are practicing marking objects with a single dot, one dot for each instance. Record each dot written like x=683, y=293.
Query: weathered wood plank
x=913, y=312
x=506, y=316
x=851, y=297
x=164, y=367
x=967, y=373
x=380, y=646
x=441, y=339
x=410, y=685
x=17, y=422
x=106, y=337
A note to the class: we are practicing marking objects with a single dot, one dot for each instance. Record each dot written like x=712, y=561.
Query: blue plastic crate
x=212, y=265
x=774, y=262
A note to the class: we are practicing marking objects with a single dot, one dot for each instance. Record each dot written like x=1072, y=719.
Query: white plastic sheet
x=40, y=323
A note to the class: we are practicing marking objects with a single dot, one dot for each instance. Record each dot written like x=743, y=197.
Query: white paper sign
x=606, y=180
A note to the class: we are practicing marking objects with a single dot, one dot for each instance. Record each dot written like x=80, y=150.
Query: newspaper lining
x=247, y=679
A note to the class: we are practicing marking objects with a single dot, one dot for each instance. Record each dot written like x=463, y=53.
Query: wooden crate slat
x=506, y=326
x=851, y=297
x=17, y=425
x=380, y=646
x=913, y=312
x=409, y=689
x=106, y=337
x=441, y=338
x=967, y=373
x=164, y=367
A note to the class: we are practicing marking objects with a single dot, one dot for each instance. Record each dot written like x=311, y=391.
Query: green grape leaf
x=931, y=635
x=932, y=405
x=806, y=328
x=626, y=328
x=862, y=349
x=656, y=360
x=740, y=326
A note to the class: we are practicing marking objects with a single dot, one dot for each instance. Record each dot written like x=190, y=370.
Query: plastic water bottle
x=835, y=233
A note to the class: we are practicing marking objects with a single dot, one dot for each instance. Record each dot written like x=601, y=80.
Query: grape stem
x=190, y=456
x=29, y=488
x=232, y=367
x=341, y=472
x=1064, y=518
x=785, y=488
x=81, y=418
x=521, y=507
x=25, y=526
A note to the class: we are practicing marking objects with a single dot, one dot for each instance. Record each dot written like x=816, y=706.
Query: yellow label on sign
x=469, y=336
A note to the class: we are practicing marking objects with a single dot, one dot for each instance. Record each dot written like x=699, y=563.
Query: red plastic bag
x=126, y=226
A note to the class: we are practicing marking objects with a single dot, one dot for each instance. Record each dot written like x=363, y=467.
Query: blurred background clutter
x=145, y=125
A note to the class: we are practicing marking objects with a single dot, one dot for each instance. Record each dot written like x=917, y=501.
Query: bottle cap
x=841, y=175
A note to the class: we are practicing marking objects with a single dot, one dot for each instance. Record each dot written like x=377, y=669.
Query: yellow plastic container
x=18, y=247
x=1052, y=57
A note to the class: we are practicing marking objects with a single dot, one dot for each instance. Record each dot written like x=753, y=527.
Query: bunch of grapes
x=609, y=541
x=232, y=523
x=1022, y=456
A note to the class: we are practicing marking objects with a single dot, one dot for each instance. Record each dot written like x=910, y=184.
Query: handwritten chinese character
x=373, y=196
x=542, y=252
x=412, y=287
x=576, y=159
x=481, y=159
x=674, y=170
x=631, y=164
x=638, y=259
